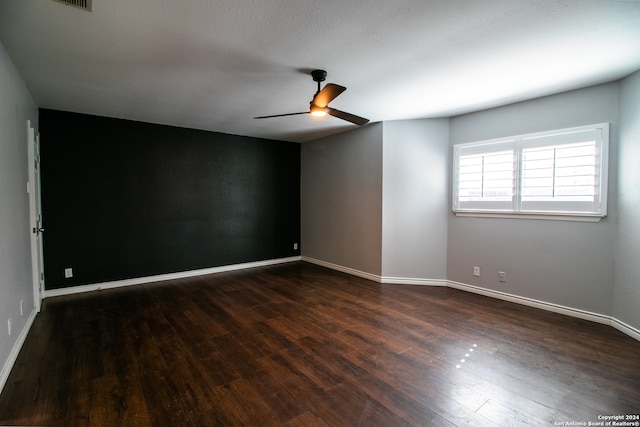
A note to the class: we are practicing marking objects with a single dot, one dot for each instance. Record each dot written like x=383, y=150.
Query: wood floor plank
x=376, y=388
x=307, y=419
x=426, y=385
x=284, y=405
x=297, y=344
x=242, y=405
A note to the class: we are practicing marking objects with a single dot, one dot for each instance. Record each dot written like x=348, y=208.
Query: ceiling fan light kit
x=319, y=104
x=318, y=112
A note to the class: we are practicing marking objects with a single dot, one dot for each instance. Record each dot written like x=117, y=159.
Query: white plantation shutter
x=486, y=179
x=560, y=173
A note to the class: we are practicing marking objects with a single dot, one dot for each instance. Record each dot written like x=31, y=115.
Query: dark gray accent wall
x=124, y=199
x=561, y=262
x=342, y=199
x=626, y=303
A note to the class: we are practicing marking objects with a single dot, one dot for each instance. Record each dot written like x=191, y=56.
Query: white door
x=35, y=208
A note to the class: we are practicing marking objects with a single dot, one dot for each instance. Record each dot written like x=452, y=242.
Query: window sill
x=542, y=216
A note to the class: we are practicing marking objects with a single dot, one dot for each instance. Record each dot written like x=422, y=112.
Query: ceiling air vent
x=80, y=4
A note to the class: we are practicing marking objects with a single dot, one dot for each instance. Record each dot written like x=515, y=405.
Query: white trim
x=375, y=277
x=548, y=306
x=413, y=281
x=542, y=305
x=17, y=346
x=625, y=328
x=162, y=277
x=568, y=217
x=514, y=201
x=343, y=269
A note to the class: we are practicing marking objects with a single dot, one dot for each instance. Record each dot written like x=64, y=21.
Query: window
x=560, y=174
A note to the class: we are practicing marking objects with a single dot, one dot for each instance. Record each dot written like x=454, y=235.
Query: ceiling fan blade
x=328, y=93
x=360, y=121
x=281, y=115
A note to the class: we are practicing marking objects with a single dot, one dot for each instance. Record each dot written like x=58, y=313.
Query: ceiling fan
x=319, y=104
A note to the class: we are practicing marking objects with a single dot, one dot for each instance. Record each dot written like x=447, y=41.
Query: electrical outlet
x=68, y=273
x=295, y=246
x=476, y=271
x=502, y=276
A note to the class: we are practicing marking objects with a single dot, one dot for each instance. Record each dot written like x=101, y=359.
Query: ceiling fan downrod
x=318, y=76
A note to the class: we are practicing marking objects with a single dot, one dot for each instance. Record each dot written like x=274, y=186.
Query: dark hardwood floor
x=300, y=345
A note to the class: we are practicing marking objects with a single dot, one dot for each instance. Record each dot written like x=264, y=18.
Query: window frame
x=513, y=208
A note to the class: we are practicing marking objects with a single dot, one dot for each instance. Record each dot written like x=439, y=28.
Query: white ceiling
x=215, y=64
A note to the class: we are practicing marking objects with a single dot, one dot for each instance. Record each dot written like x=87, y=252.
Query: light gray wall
x=626, y=302
x=16, y=107
x=561, y=262
x=341, y=199
x=414, y=199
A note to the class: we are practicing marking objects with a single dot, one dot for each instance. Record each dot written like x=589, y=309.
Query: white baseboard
x=548, y=306
x=375, y=277
x=556, y=308
x=626, y=329
x=162, y=277
x=543, y=305
x=13, y=355
x=343, y=269
x=413, y=281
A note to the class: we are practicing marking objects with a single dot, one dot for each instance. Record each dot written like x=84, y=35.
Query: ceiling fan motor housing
x=319, y=75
